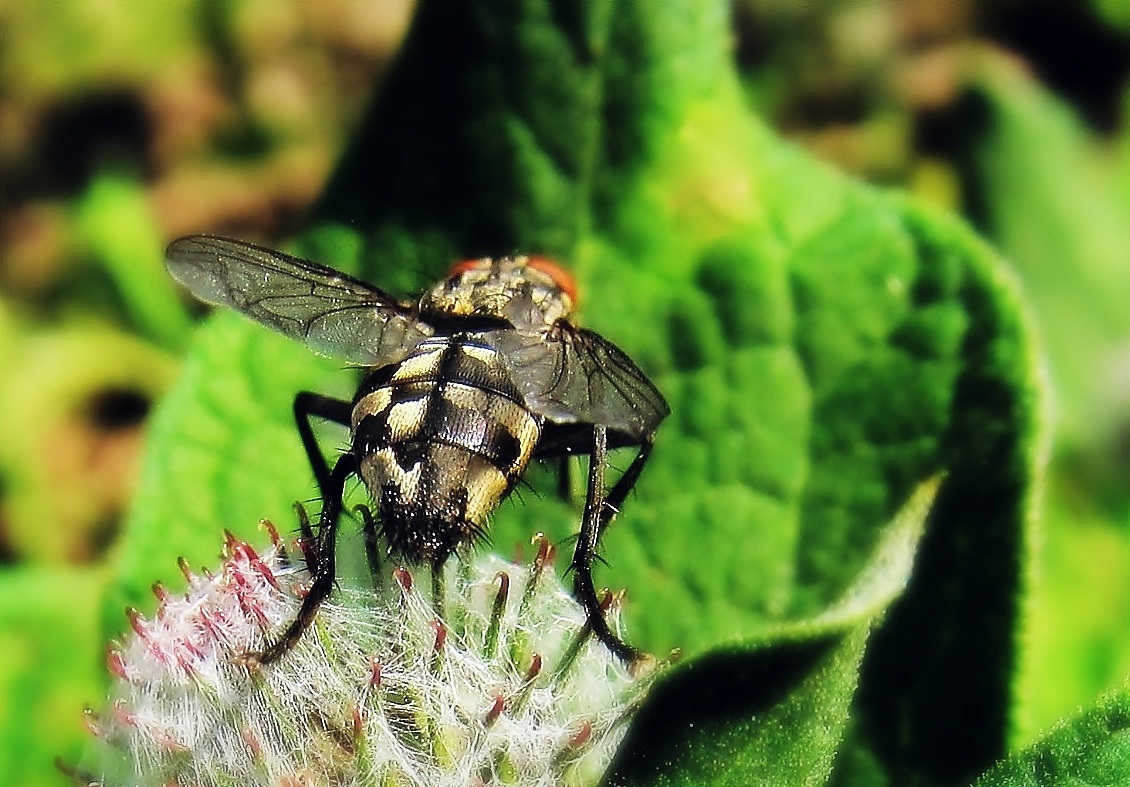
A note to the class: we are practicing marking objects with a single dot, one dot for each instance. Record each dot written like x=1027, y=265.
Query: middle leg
x=309, y=405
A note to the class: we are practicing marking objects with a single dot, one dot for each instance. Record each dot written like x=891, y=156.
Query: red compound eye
x=561, y=277
x=462, y=267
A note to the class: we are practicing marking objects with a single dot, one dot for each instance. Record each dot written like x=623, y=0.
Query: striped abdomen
x=440, y=439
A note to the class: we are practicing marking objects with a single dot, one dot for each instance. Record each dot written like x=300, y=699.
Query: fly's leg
x=372, y=552
x=439, y=586
x=323, y=569
x=565, y=477
x=309, y=405
x=307, y=540
x=599, y=511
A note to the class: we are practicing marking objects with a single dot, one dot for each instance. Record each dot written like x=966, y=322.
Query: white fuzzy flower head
x=503, y=685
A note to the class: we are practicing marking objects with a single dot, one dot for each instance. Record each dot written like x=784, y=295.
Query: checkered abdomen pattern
x=441, y=438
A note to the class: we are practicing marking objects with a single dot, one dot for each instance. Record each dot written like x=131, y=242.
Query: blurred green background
x=124, y=124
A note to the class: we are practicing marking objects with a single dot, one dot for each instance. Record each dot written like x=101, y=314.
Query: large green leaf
x=825, y=348
x=1090, y=750
x=1041, y=185
x=770, y=709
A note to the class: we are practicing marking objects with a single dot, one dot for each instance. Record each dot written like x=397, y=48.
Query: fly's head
x=528, y=292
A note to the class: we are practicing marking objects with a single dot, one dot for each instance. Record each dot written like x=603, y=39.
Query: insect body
x=468, y=385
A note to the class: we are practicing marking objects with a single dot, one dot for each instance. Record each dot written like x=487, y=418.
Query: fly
x=464, y=388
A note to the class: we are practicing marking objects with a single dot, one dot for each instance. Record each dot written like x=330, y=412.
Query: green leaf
x=1090, y=750
x=825, y=347
x=1043, y=188
x=769, y=710
x=924, y=709
x=115, y=221
x=50, y=667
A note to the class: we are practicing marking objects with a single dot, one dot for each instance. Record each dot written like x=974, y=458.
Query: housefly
x=464, y=388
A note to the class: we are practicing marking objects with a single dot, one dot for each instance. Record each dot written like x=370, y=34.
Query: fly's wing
x=333, y=314
x=571, y=375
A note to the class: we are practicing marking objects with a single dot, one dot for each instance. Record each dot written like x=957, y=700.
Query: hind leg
x=599, y=511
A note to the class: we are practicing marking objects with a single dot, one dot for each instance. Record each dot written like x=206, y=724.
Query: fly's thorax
x=440, y=439
x=516, y=289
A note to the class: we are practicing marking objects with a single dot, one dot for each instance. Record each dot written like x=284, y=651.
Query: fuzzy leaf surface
x=1091, y=750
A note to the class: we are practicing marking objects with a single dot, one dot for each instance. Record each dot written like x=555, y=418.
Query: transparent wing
x=569, y=374
x=333, y=314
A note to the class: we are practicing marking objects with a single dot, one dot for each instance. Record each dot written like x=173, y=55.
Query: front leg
x=324, y=567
